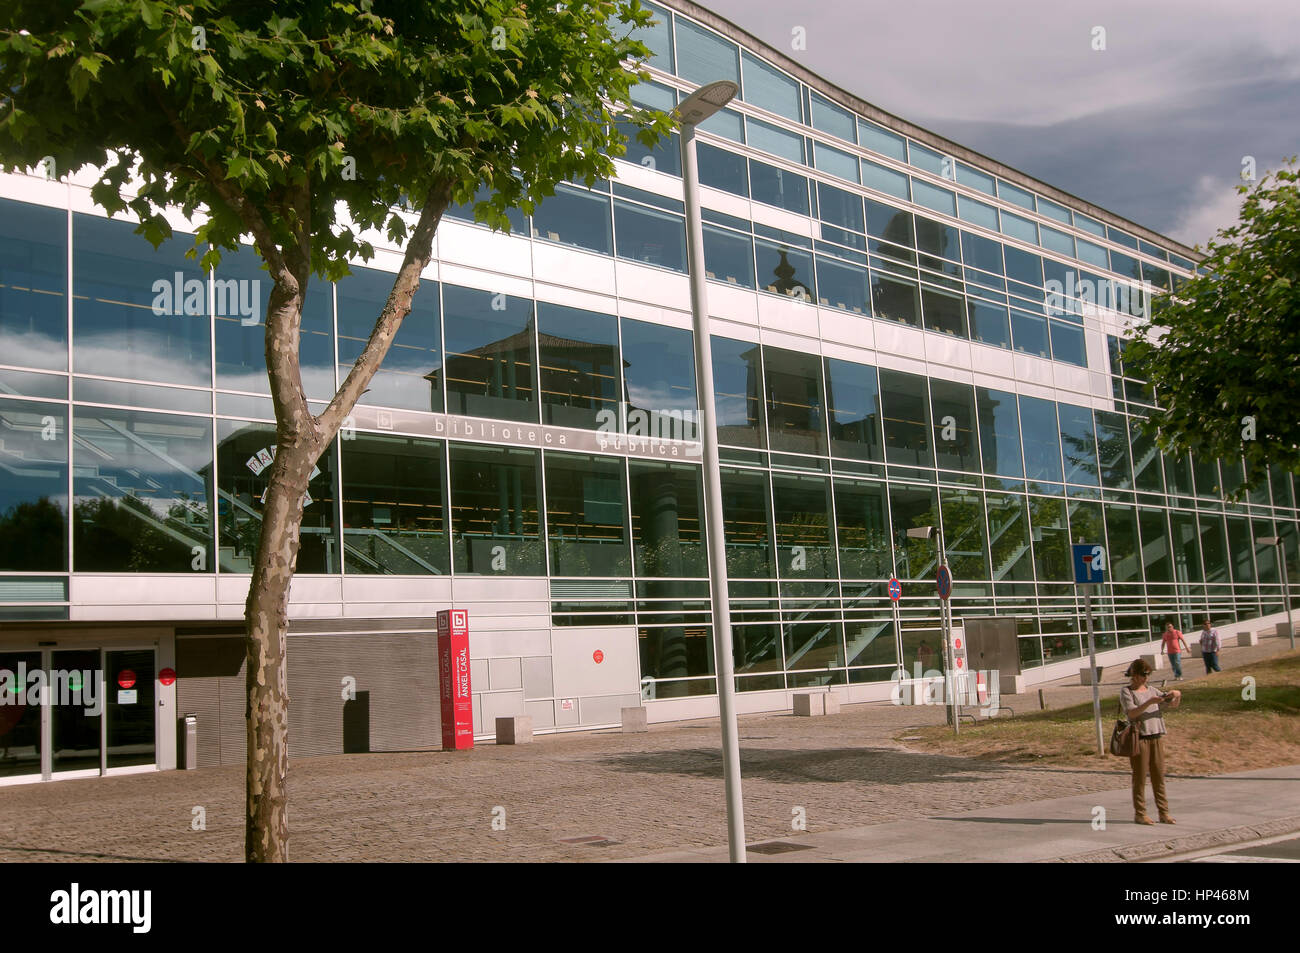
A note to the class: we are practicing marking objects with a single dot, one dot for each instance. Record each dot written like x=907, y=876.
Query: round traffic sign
x=598, y=656
x=895, y=589
x=957, y=643
x=943, y=582
x=125, y=678
x=960, y=661
x=167, y=676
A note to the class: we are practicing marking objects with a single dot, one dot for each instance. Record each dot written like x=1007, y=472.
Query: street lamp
x=1286, y=589
x=945, y=624
x=690, y=112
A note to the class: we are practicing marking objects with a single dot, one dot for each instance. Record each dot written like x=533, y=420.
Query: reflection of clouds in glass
x=145, y=358
x=34, y=349
x=660, y=396
x=317, y=381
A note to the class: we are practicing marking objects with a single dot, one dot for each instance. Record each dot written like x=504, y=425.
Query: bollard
x=189, y=742
x=1042, y=702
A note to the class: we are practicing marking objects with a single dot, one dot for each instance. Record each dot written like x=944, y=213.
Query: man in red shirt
x=1174, y=645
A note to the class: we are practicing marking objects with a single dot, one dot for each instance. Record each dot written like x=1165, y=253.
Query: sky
x=1154, y=127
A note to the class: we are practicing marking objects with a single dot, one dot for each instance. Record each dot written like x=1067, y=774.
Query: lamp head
x=704, y=102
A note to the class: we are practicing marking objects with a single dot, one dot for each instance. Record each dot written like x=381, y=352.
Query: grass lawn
x=1213, y=731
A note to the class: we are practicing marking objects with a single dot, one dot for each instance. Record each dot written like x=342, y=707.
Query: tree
x=311, y=125
x=1223, y=351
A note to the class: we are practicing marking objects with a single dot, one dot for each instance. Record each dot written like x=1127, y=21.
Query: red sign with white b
x=453, y=679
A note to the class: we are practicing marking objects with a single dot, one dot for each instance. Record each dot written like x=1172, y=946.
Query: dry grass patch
x=1214, y=731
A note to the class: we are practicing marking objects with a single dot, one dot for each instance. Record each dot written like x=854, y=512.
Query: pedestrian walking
x=1142, y=706
x=1210, y=645
x=1174, y=646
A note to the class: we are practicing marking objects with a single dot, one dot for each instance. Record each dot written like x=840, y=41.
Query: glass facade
x=135, y=427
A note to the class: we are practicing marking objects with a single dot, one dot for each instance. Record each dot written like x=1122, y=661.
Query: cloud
x=1214, y=205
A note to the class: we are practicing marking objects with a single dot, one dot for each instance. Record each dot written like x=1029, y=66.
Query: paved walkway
x=633, y=796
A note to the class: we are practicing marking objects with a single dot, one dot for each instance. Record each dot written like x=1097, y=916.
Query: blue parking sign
x=1089, y=562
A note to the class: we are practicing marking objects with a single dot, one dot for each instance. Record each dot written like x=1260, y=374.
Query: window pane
x=142, y=492
x=835, y=162
x=929, y=160
x=999, y=432
x=1242, y=546
x=843, y=286
x=977, y=213
x=34, y=285
x=944, y=312
x=1214, y=544
x=720, y=169
x=831, y=118
x=936, y=238
x=738, y=390
x=394, y=506
x=778, y=187
x=885, y=180
x=1023, y=266
x=964, y=535
x=1206, y=473
x=933, y=197
x=882, y=140
x=1113, y=446
x=728, y=256
x=703, y=56
x=746, y=524
x=241, y=347
x=1067, y=343
x=953, y=410
x=1029, y=332
x=1010, y=551
x=1051, y=538
x=244, y=451
x=409, y=377
x=658, y=375
x=892, y=224
x=495, y=527
x=1155, y=545
x=988, y=323
x=650, y=236
x=518, y=220
x=839, y=207
x=863, y=530
x=895, y=300
x=33, y=487
x=910, y=508
x=490, y=354
x=769, y=138
x=1078, y=444
x=667, y=516
x=1057, y=241
x=784, y=270
x=658, y=37
x=579, y=366
x=803, y=534
x=1186, y=546
x=1015, y=195
x=1146, y=459
x=141, y=313
x=1040, y=439
x=854, y=410
x=768, y=88
x=906, y=413
x=796, y=422
x=1123, y=551
x=665, y=156
x=574, y=217
x=586, y=516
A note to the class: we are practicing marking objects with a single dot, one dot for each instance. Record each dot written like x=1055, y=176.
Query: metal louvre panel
x=210, y=684
x=591, y=589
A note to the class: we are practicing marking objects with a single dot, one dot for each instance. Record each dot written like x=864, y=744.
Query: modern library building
x=905, y=333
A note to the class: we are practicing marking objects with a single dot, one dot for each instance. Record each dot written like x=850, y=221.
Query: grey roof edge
x=921, y=134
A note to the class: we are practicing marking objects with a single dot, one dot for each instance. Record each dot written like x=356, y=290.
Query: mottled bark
x=300, y=441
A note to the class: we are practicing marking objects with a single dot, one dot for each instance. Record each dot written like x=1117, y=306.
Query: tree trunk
x=266, y=619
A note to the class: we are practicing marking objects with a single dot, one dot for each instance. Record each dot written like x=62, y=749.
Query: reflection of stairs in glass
x=232, y=563
x=15, y=462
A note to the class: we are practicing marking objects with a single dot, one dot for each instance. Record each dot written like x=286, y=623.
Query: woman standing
x=1173, y=644
x=1142, y=706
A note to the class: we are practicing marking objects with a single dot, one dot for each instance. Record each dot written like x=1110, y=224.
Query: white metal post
x=722, y=653
x=1092, y=662
x=1286, y=591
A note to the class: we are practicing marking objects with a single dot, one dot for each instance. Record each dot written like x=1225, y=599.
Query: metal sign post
x=1090, y=568
x=943, y=585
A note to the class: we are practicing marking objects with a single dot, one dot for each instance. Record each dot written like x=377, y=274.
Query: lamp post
x=945, y=627
x=1286, y=589
x=690, y=112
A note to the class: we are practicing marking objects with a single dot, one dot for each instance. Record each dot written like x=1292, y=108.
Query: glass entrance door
x=20, y=722
x=75, y=688
x=130, y=710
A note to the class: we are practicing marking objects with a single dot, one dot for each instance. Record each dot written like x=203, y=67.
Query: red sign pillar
x=453, y=679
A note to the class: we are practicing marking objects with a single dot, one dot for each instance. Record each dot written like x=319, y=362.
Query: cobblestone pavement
x=647, y=793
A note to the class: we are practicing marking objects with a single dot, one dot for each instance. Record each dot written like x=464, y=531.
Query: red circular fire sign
x=598, y=655
x=167, y=676
x=125, y=678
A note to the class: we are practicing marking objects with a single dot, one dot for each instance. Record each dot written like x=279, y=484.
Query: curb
x=1170, y=849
